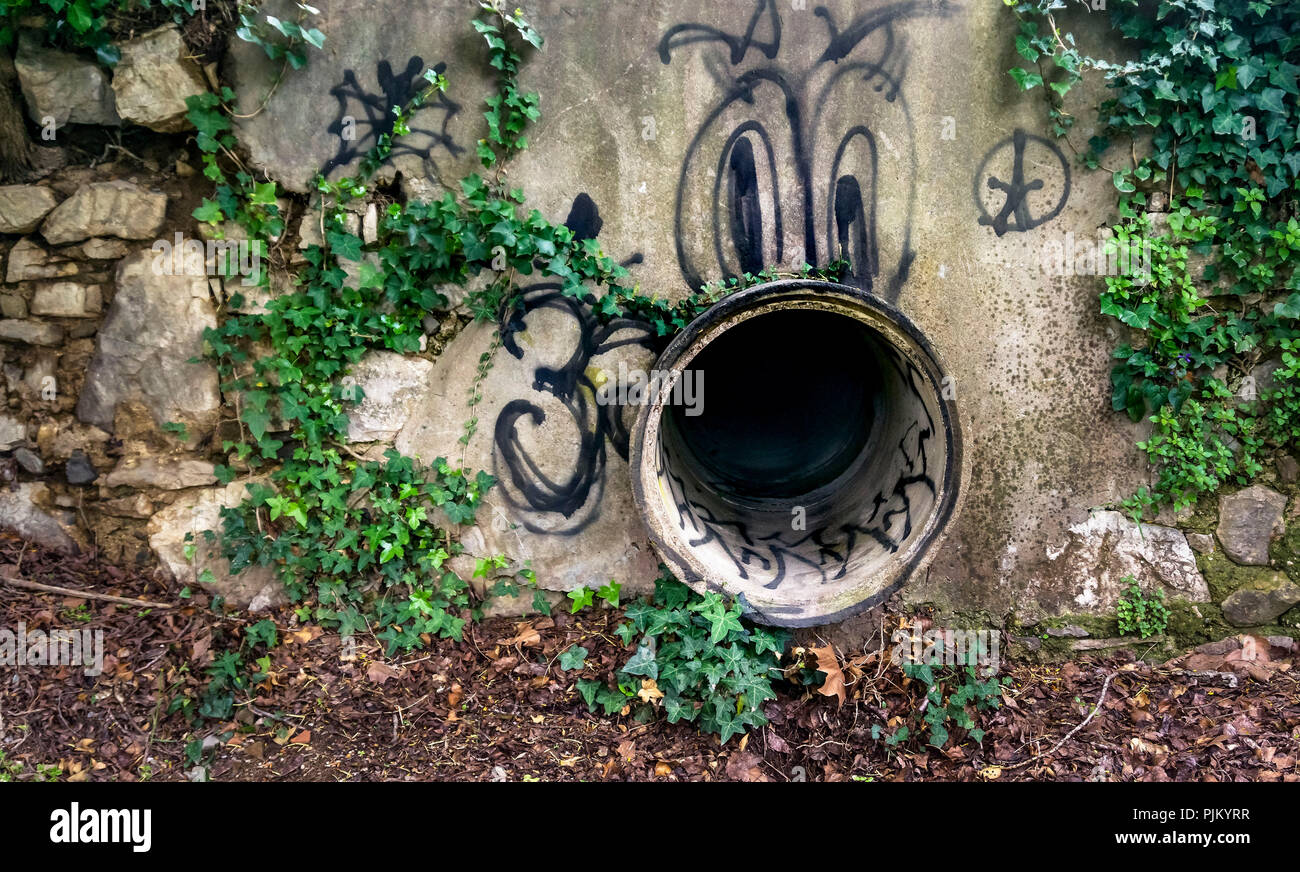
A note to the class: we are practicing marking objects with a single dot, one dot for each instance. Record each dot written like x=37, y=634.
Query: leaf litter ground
x=498, y=706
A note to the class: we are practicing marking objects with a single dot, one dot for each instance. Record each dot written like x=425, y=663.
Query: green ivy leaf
x=573, y=658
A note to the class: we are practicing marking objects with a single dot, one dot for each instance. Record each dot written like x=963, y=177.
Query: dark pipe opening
x=790, y=399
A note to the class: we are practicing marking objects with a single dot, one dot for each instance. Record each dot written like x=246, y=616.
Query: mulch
x=497, y=706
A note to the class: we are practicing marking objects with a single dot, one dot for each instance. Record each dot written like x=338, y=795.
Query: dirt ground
x=497, y=706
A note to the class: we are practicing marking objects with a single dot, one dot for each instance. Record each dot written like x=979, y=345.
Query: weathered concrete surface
x=588, y=539
x=639, y=106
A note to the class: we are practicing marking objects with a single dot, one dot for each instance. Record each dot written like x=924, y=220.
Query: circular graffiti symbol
x=1016, y=214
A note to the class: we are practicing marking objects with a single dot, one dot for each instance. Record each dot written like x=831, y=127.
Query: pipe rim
x=770, y=296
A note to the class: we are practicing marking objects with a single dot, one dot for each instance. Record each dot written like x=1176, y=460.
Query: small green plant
x=1137, y=613
x=953, y=697
x=238, y=196
x=695, y=658
x=281, y=40
x=74, y=24
x=81, y=614
x=573, y=658
x=9, y=769
x=237, y=668
x=363, y=545
x=585, y=597
x=89, y=24
x=177, y=429
x=13, y=770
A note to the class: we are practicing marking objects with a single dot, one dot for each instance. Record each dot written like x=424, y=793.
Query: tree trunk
x=16, y=148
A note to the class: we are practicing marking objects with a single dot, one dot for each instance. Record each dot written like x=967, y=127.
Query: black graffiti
x=750, y=199
x=1016, y=190
x=685, y=34
x=365, y=116
x=765, y=559
x=537, y=497
x=584, y=218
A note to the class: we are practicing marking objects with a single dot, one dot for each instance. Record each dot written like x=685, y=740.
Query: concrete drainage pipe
x=815, y=459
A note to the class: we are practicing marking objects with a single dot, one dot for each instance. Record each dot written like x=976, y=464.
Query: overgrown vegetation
x=695, y=658
x=953, y=698
x=92, y=24
x=363, y=546
x=1214, y=91
x=13, y=770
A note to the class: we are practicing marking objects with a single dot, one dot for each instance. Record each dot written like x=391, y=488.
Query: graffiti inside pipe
x=821, y=503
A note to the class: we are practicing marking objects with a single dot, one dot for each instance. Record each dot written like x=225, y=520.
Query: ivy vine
x=1213, y=103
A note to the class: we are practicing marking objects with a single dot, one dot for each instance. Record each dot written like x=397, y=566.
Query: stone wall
x=643, y=105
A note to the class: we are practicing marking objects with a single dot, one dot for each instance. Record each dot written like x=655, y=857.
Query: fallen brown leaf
x=379, y=672
x=828, y=663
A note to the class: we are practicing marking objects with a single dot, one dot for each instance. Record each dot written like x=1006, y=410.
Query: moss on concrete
x=1290, y=622
x=1285, y=552
x=1204, y=517
x=1224, y=578
x=1098, y=626
x=1190, y=624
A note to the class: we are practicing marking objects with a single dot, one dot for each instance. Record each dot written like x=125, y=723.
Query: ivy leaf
x=344, y=245
x=1270, y=100
x=1026, y=49
x=262, y=632
x=642, y=663
x=582, y=598
x=540, y=603
x=1026, y=80
x=574, y=658
x=589, y=688
x=79, y=16
x=263, y=194
x=1288, y=309
x=209, y=212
